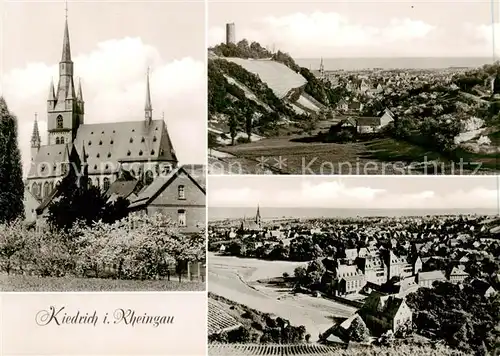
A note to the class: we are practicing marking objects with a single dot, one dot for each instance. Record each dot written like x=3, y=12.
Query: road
x=234, y=278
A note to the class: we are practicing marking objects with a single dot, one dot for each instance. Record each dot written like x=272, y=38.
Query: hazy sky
x=362, y=192
x=373, y=28
x=112, y=44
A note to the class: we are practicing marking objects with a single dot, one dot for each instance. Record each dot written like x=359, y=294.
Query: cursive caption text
x=59, y=316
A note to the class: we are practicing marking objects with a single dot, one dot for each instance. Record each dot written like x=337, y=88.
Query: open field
x=20, y=283
x=378, y=156
x=236, y=279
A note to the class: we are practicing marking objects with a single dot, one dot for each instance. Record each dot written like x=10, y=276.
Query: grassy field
x=19, y=283
x=378, y=156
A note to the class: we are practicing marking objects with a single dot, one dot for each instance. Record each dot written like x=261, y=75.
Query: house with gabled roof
x=382, y=313
x=483, y=288
x=426, y=279
x=457, y=274
x=178, y=195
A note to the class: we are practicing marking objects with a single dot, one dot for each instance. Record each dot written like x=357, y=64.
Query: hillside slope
x=254, y=92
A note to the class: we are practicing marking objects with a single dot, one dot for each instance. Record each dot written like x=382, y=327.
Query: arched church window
x=142, y=140
x=39, y=189
x=154, y=139
x=106, y=183
x=128, y=153
x=51, y=186
x=97, y=182
x=131, y=140
x=46, y=189
x=58, y=141
x=152, y=152
x=59, y=122
x=140, y=153
x=34, y=189
x=62, y=140
x=149, y=177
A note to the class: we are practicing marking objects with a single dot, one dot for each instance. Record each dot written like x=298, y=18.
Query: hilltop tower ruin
x=230, y=33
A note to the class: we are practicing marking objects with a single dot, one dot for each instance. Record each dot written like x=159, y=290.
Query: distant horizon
x=232, y=213
x=392, y=57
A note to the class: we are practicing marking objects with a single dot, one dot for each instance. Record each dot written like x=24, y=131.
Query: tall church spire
x=148, y=109
x=80, y=93
x=66, y=87
x=257, y=216
x=65, y=111
x=35, y=136
x=66, y=51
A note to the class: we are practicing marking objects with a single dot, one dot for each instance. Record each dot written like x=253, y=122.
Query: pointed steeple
x=257, y=216
x=148, y=109
x=80, y=93
x=66, y=87
x=35, y=136
x=66, y=53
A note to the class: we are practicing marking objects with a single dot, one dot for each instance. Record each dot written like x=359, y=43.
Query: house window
x=58, y=141
x=62, y=140
x=59, y=122
x=181, y=218
x=106, y=183
x=181, y=192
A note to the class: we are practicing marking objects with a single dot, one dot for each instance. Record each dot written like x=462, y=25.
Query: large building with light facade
x=142, y=147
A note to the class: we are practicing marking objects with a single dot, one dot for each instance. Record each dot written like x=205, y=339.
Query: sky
x=370, y=28
x=354, y=192
x=112, y=44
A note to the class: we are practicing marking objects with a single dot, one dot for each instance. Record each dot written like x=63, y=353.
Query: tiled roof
x=432, y=275
x=47, y=162
x=158, y=184
x=108, y=144
x=132, y=141
x=368, y=121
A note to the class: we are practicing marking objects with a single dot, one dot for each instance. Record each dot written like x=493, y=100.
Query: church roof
x=108, y=144
x=47, y=161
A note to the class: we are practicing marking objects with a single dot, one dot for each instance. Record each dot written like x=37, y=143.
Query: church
x=141, y=148
x=254, y=225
